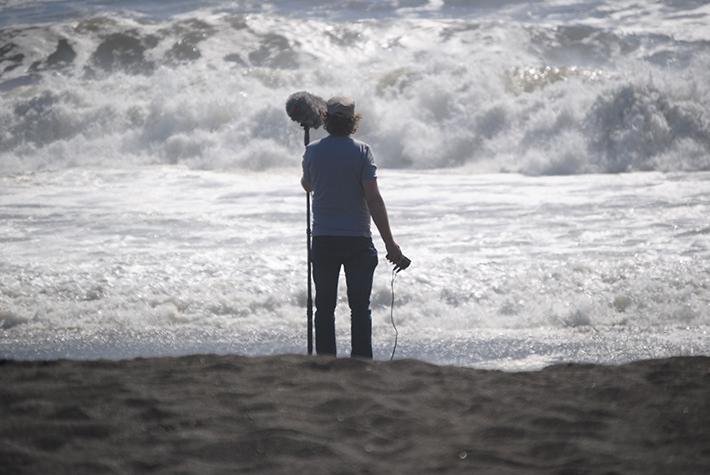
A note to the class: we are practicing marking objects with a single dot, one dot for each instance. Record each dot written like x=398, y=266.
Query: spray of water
x=206, y=89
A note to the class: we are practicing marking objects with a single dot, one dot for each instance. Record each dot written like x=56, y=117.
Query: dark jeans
x=359, y=257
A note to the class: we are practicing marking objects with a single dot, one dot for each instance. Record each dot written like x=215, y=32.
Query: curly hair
x=342, y=126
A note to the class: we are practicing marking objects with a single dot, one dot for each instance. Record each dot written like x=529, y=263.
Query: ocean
x=546, y=166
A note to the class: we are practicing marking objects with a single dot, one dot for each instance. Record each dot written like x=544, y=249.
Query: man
x=340, y=171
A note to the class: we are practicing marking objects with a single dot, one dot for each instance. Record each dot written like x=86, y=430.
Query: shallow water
x=508, y=270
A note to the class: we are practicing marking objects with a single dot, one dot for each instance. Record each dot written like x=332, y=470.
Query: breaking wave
x=206, y=88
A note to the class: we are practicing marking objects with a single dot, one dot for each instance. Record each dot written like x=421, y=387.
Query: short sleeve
x=369, y=169
x=306, y=168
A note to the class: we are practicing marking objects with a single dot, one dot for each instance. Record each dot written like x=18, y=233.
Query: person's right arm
x=378, y=211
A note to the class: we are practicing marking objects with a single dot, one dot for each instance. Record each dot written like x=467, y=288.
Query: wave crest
x=208, y=89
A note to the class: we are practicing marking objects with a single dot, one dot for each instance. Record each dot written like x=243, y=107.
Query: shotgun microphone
x=307, y=109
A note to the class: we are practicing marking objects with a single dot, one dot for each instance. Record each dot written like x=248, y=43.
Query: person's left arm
x=305, y=178
x=306, y=186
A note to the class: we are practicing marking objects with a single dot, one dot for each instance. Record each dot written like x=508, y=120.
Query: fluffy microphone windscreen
x=306, y=109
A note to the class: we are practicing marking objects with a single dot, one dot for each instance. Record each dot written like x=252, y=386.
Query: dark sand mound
x=294, y=414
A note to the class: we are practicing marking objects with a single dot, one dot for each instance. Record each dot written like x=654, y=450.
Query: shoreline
x=505, y=349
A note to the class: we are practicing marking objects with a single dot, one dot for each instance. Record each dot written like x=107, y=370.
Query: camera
x=400, y=264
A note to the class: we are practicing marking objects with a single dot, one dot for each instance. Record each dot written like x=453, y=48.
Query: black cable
x=396, y=333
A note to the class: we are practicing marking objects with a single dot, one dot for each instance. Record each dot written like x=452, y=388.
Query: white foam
x=163, y=246
x=534, y=97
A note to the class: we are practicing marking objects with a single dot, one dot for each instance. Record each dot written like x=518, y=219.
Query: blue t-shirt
x=336, y=167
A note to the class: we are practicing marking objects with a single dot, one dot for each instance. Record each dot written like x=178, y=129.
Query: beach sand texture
x=295, y=414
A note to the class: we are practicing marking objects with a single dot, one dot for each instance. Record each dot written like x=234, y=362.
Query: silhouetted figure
x=341, y=173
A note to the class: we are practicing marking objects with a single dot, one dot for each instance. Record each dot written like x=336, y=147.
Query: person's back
x=341, y=173
x=337, y=168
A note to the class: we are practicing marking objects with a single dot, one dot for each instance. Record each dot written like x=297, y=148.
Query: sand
x=297, y=414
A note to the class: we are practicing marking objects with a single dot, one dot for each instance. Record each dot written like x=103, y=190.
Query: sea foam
x=207, y=89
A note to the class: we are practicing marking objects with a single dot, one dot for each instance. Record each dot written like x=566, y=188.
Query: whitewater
x=545, y=165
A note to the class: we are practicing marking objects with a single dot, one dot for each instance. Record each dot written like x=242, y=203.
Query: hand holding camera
x=395, y=256
x=400, y=264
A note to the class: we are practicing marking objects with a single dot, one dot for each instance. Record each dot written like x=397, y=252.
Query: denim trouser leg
x=358, y=275
x=359, y=257
x=326, y=270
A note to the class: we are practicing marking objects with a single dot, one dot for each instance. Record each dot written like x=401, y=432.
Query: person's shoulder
x=360, y=143
x=312, y=147
x=315, y=143
x=363, y=147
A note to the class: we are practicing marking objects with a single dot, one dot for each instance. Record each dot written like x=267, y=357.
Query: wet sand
x=295, y=414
